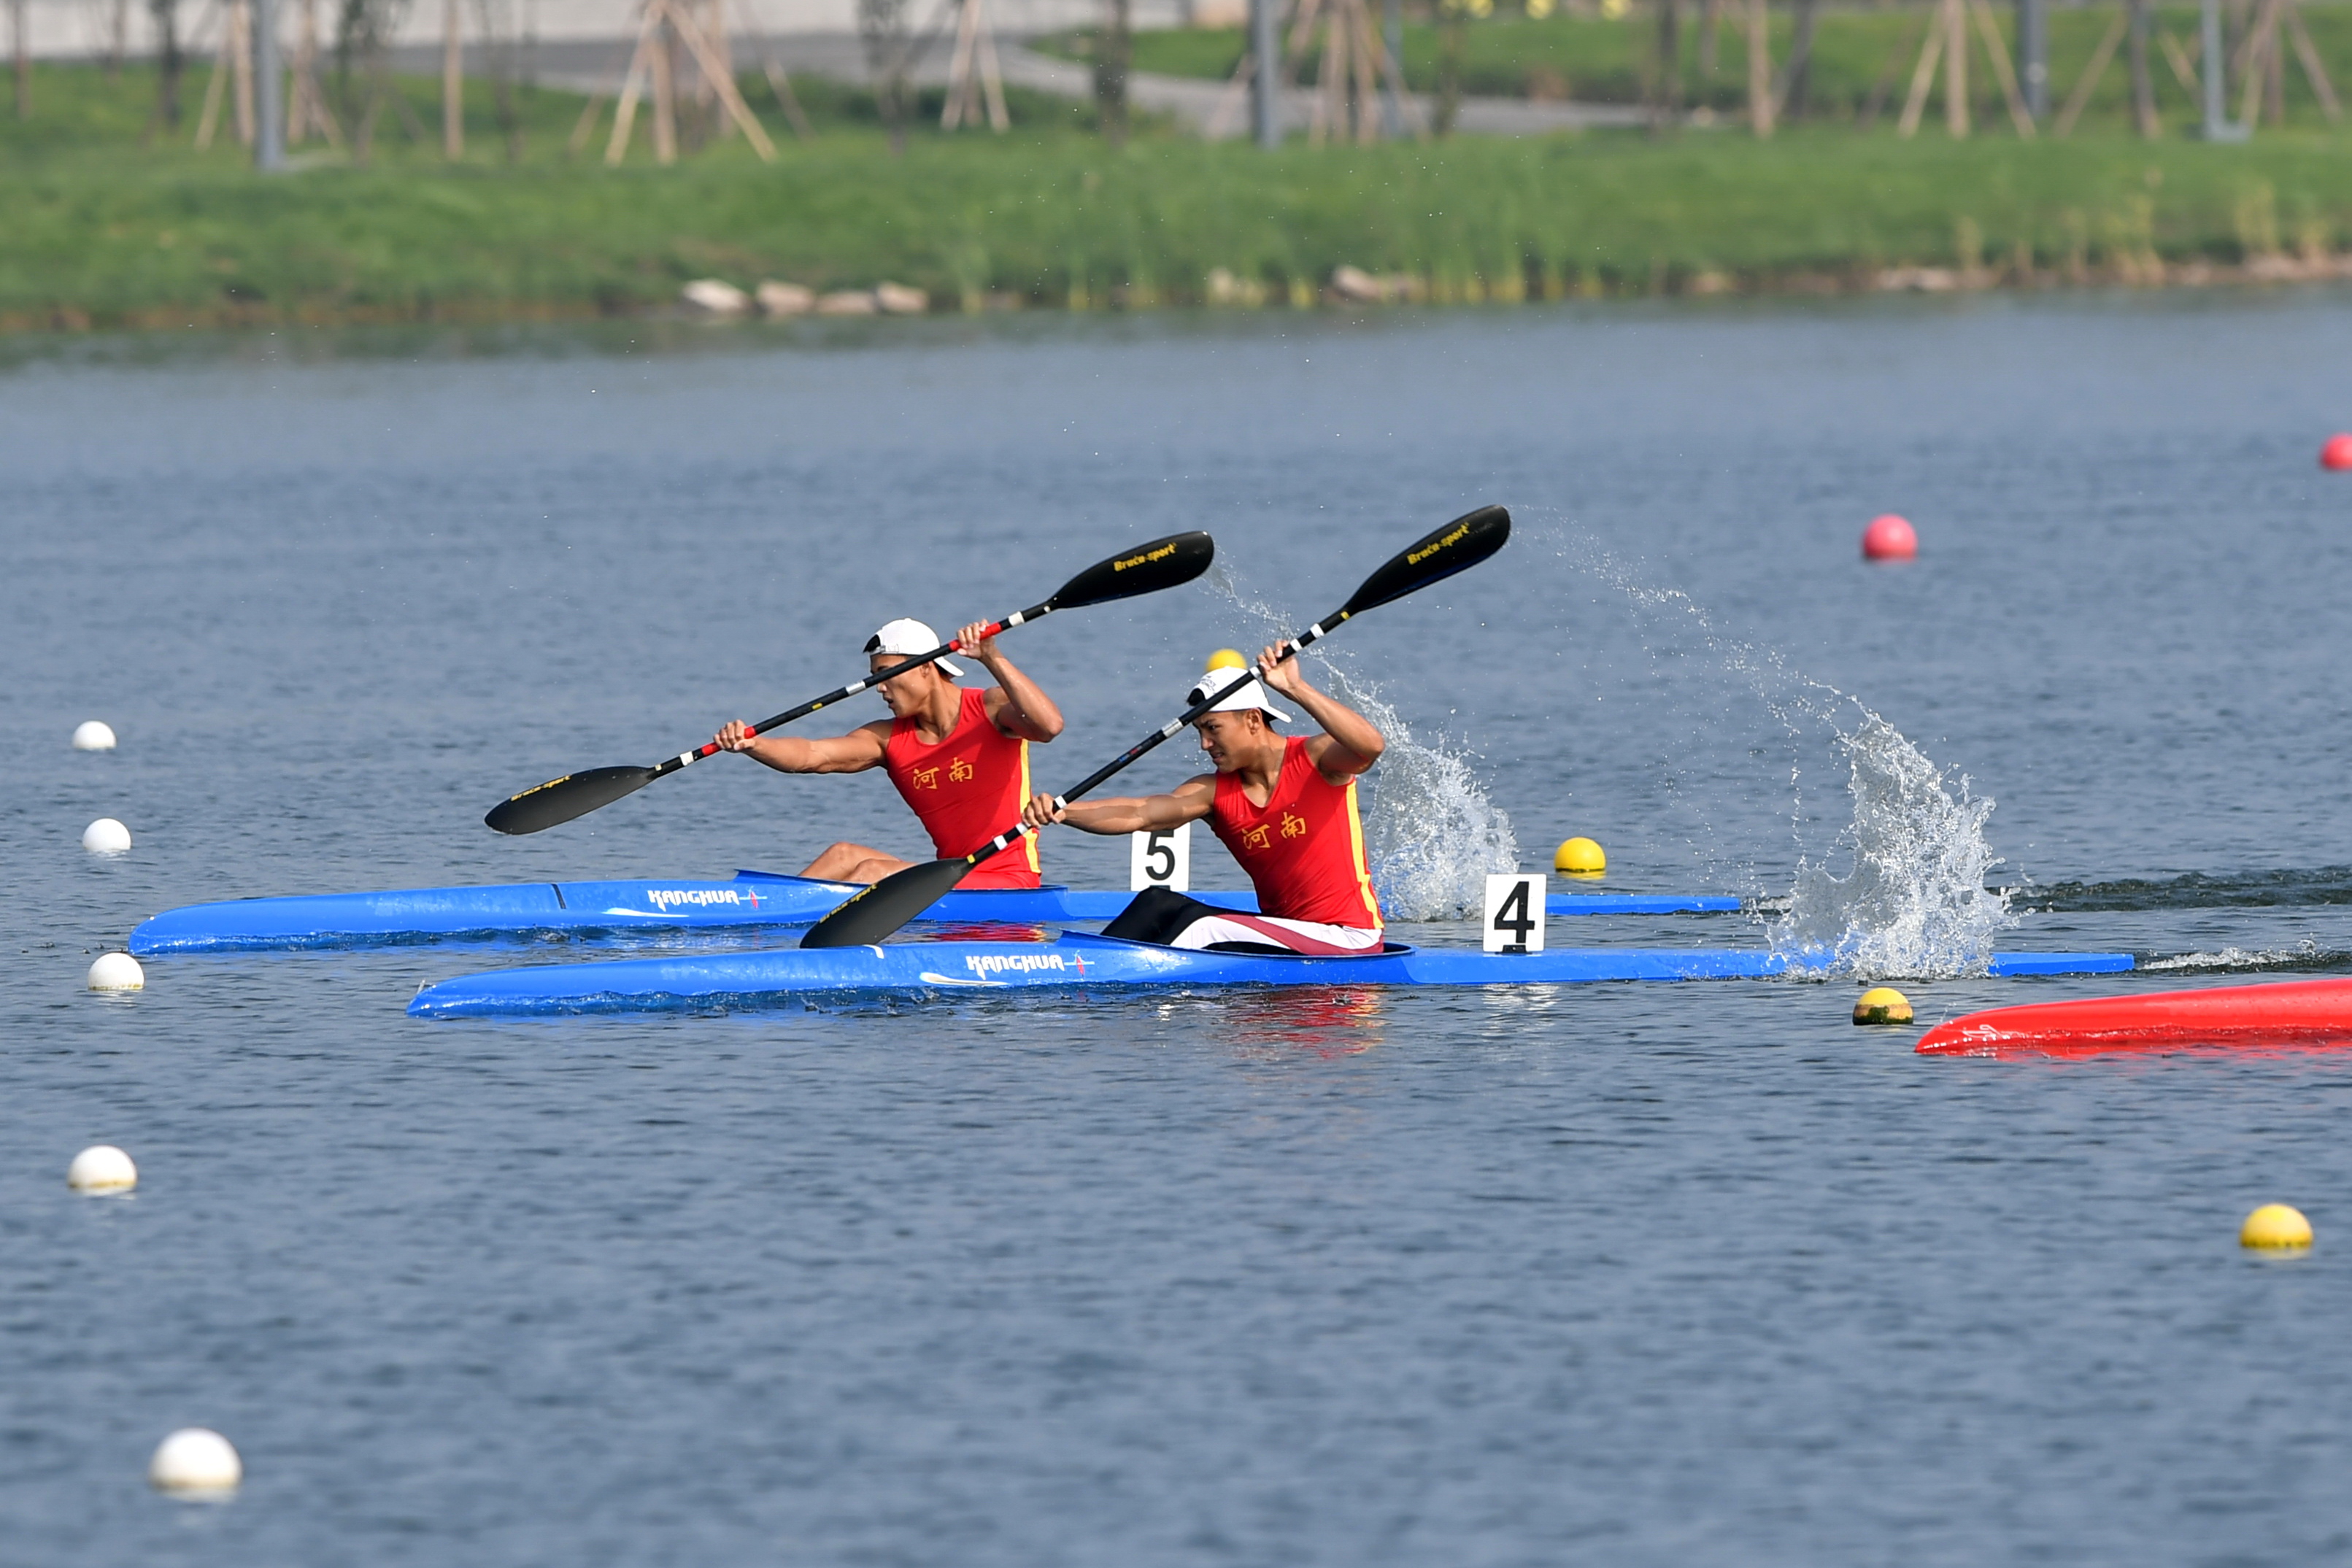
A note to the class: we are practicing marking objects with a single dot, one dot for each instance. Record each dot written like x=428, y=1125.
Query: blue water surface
x=1632, y=1274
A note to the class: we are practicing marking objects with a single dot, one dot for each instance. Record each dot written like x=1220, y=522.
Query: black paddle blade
x=1457, y=547
x=1147, y=569
x=561, y=800
x=880, y=910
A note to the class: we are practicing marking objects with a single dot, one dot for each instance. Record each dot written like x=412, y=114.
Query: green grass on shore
x=100, y=230
x=1856, y=53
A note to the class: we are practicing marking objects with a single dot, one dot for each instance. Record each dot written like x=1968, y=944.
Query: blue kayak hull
x=749, y=979
x=591, y=908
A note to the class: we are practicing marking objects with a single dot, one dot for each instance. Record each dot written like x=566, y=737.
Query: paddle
x=875, y=912
x=1147, y=569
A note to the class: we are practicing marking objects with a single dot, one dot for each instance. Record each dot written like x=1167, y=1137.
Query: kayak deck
x=404, y=915
x=721, y=979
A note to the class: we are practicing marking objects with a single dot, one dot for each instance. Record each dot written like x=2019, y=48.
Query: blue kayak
x=591, y=908
x=750, y=979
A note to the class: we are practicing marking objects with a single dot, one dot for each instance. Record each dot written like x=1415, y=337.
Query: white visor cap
x=1251, y=694
x=910, y=638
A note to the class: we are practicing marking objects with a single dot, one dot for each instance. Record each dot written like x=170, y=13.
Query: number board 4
x=1160, y=858
x=1514, y=917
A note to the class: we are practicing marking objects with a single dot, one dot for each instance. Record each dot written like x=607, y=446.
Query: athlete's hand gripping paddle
x=1147, y=569
x=880, y=910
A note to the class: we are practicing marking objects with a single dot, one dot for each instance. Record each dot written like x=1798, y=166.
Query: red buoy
x=2293, y=1013
x=1889, y=538
x=2338, y=452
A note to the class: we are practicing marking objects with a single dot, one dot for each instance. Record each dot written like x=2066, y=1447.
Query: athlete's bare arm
x=1188, y=802
x=1016, y=704
x=855, y=752
x=1349, y=743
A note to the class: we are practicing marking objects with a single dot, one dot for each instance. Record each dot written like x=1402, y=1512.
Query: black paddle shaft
x=1162, y=563
x=874, y=912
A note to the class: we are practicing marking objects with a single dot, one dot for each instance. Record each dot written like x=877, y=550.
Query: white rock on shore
x=714, y=297
x=785, y=298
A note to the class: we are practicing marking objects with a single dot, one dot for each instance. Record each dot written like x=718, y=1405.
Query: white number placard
x=1514, y=920
x=1160, y=858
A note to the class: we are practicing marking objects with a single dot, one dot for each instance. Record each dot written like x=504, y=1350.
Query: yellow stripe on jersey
x=1028, y=841
x=1355, y=848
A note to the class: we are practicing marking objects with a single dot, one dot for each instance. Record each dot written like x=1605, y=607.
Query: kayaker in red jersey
x=959, y=755
x=1285, y=806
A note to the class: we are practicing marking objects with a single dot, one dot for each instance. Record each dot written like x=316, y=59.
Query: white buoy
x=106, y=837
x=194, y=1460
x=102, y=1168
x=117, y=972
x=92, y=736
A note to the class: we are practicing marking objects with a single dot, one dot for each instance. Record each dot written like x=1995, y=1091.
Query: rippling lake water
x=1636, y=1274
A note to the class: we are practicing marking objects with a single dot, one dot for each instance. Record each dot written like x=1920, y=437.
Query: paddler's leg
x=1156, y=914
x=1171, y=920
x=1224, y=931
x=853, y=862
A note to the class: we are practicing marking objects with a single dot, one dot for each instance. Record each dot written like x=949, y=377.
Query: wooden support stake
x=1888, y=77
x=960, y=82
x=715, y=72
x=2003, y=72
x=1956, y=71
x=1759, y=69
x=453, y=82
x=589, y=112
x=633, y=87
x=241, y=79
x=786, y=100
x=1922, y=77
x=2261, y=44
x=991, y=74
x=779, y=83
x=2089, y=82
x=2183, y=63
x=209, y=121
x=2308, y=53
x=665, y=95
x=1319, y=121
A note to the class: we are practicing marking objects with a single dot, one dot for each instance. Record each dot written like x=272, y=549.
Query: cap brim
x=1262, y=705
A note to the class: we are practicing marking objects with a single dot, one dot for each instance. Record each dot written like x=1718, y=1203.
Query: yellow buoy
x=2275, y=1225
x=1228, y=659
x=1883, y=1004
x=1580, y=857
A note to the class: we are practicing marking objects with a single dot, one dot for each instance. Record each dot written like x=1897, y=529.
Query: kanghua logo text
x=984, y=964
x=667, y=898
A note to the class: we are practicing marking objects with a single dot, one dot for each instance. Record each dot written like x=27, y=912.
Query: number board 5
x=1514, y=917
x=1160, y=858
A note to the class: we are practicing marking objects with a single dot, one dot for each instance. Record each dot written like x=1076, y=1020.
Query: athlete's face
x=908, y=694
x=1230, y=738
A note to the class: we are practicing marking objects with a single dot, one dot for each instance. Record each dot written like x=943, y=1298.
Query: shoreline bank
x=105, y=233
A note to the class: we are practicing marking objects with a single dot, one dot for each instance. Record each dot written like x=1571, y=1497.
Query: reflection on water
x=1327, y=1022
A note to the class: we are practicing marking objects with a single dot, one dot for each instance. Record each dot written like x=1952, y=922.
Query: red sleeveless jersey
x=1304, y=849
x=967, y=789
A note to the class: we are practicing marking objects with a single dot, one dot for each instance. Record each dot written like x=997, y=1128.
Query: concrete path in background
x=584, y=65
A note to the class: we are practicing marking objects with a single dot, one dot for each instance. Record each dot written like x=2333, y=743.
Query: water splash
x=1432, y=832
x=1916, y=902
x=2304, y=955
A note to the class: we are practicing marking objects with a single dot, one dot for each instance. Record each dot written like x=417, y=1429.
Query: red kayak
x=2290, y=1013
